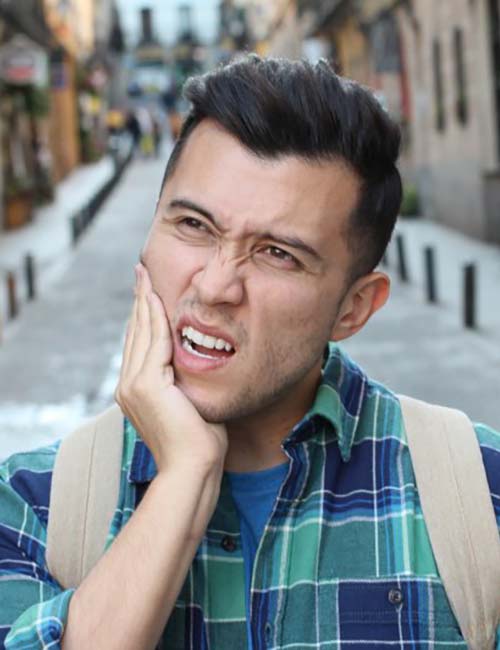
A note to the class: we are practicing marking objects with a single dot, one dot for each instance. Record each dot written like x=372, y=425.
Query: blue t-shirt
x=254, y=494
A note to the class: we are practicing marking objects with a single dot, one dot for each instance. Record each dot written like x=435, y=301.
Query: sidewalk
x=60, y=358
x=48, y=237
x=423, y=350
x=453, y=251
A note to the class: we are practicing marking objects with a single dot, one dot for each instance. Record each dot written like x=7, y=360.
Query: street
x=60, y=359
x=56, y=357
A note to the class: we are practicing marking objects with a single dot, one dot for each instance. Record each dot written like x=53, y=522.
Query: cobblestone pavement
x=60, y=360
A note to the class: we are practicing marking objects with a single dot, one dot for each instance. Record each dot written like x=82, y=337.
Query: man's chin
x=216, y=414
x=210, y=404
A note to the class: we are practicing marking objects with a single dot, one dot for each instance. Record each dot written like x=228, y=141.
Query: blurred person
x=268, y=497
x=134, y=128
x=115, y=121
x=170, y=101
x=147, y=131
x=157, y=134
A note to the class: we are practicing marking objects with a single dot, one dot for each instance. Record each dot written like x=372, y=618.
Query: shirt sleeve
x=41, y=625
x=34, y=607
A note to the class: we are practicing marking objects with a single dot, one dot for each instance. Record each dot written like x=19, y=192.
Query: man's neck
x=255, y=441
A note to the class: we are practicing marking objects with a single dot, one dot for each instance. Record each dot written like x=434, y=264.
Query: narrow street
x=60, y=359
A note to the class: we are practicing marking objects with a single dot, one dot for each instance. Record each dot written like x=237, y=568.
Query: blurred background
x=90, y=104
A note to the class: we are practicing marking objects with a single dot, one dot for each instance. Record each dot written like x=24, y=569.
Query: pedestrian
x=266, y=491
x=147, y=131
x=157, y=134
x=134, y=128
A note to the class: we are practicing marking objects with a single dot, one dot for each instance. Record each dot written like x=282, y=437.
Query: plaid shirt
x=344, y=561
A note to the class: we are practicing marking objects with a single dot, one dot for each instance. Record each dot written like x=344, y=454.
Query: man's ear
x=366, y=296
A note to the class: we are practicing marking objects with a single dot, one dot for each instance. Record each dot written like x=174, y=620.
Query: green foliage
x=32, y=99
x=37, y=101
x=410, y=206
x=18, y=186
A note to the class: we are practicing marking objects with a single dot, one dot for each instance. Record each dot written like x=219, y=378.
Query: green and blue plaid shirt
x=344, y=561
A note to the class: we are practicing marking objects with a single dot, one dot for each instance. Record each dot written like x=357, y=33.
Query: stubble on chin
x=265, y=389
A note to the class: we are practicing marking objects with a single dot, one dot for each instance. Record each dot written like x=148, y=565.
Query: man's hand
x=167, y=526
x=166, y=420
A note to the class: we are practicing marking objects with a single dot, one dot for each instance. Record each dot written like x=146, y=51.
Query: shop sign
x=23, y=62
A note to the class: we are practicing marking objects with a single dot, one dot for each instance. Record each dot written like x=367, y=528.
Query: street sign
x=23, y=62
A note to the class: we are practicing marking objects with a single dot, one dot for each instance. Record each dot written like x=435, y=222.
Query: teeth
x=196, y=336
x=187, y=346
x=209, y=342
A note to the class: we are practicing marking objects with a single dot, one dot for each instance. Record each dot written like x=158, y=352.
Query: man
x=267, y=498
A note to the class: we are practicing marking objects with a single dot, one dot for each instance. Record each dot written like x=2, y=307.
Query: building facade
x=25, y=48
x=435, y=66
x=453, y=58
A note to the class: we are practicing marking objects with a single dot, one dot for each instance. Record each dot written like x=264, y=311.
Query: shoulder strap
x=83, y=498
x=459, y=514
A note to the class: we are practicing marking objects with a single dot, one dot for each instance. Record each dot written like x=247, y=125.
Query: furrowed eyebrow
x=292, y=242
x=190, y=205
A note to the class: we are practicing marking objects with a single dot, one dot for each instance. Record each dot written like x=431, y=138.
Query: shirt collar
x=338, y=403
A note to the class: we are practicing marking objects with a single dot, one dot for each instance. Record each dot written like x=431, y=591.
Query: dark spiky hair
x=279, y=107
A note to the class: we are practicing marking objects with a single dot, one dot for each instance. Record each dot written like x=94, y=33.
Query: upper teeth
x=209, y=342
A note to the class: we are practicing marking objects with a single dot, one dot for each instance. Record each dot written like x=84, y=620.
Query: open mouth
x=204, y=346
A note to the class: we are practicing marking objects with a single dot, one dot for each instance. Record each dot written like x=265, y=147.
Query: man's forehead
x=215, y=170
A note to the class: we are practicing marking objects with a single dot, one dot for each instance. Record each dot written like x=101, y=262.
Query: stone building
x=452, y=50
x=25, y=48
x=436, y=68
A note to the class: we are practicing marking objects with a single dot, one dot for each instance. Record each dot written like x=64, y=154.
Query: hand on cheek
x=166, y=420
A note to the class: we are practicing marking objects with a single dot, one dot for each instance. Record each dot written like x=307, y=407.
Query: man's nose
x=219, y=281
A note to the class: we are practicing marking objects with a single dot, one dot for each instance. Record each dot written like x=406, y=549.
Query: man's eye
x=193, y=223
x=280, y=255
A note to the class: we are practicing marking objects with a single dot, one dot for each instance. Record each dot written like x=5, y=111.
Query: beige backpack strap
x=83, y=498
x=459, y=514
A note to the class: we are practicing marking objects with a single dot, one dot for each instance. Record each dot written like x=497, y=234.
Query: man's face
x=249, y=251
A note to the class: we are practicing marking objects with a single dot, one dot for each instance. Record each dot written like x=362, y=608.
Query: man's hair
x=279, y=107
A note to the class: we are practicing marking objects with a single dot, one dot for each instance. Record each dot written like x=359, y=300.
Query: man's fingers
x=145, y=279
x=129, y=336
x=148, y=344
x=159, y=354
x=142, y=331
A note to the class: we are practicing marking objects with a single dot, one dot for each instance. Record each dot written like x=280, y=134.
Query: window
x=437, y=65
x=461, y=107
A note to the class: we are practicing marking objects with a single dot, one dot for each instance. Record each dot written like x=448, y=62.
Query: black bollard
x=87, y=214
x=29, y=272
x=430, y=273
x=75, y=229
x=402, y=268
x=12, y=295
x=470, y=320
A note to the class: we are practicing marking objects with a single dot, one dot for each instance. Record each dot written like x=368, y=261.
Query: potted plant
x=410, y=205
x=18, y=196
